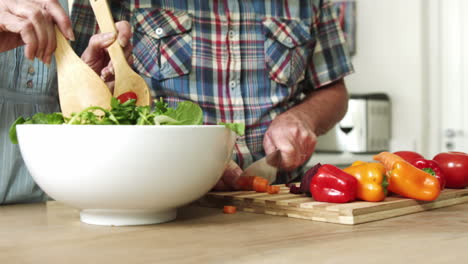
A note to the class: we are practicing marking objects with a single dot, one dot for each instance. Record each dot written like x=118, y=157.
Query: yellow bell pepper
x=372, y=180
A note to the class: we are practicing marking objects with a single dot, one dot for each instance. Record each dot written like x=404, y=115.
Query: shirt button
x=159, y=31
x=232, y=84
x=289, y=40
x=231, y=34
x=31, y=70
x=30, y=84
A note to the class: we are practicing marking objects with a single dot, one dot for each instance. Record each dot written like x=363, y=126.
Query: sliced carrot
x=260, y=184
x=229, y=209
x=388, y=159
x=245, y=183
x=251, y=182
x=271, y=189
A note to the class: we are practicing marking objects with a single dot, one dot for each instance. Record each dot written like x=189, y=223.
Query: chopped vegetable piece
x=229, y=209
x=246, y=183
x=305, y=182
x=127, y=96
x=294, y=189
x=260, y=184
x=273, y=189
x=252, y=183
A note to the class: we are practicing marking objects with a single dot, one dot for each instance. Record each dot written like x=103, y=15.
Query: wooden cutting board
x=300, y=206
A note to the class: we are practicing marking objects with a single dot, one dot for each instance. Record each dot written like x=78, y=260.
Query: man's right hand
x=31, y=23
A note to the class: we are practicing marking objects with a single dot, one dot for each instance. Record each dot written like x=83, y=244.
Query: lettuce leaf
x=236, y=127
x=39, y=118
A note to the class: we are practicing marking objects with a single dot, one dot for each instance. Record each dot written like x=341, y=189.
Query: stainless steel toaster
x=366, y=127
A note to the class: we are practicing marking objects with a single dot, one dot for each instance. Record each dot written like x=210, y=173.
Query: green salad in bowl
x=126, y=113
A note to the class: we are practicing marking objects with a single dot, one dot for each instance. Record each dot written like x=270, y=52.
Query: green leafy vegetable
x=12, y=132
x=186, y=113
x=39, y=118
x=236, y=127
x=127, y=113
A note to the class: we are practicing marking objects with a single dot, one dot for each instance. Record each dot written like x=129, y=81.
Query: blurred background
x=416, y=53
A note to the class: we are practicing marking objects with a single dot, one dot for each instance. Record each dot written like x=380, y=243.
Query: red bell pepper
x=330, y=184
x=455, y=167
x=431, y=167
x=409, y=156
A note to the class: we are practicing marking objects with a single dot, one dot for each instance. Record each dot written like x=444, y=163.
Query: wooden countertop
x=52, y=233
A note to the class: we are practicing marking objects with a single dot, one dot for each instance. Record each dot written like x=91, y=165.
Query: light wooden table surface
x=52, y=233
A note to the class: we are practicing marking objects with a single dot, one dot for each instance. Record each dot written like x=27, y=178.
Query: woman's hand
x=31, y=23
x=96, y=55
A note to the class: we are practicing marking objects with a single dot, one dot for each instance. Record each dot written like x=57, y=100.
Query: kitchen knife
x=266, y=167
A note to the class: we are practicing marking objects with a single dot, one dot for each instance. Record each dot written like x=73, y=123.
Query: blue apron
x=26, y=87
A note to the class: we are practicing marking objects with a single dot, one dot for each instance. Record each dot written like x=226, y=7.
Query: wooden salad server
x=78, y=85
x=126, y=79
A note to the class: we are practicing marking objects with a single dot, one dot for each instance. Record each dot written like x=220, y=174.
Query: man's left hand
x=96, y=55
x=293, y=136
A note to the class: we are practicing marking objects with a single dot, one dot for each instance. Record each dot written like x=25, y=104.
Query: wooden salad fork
x=78, y=85
x=126, y=79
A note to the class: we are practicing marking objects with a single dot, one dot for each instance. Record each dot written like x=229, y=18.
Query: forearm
x=323, y=108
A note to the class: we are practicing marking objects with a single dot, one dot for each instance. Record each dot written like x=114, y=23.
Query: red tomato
x=455, y=167
x=409, y=156
x=127, y=96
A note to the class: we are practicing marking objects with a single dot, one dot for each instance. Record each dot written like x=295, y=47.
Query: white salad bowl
x=125, y=175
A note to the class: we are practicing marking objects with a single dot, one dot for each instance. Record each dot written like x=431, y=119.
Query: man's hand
x=293, y=136
x=31, y=23
x=228, y=181
x=295, y=131
x=96, y=55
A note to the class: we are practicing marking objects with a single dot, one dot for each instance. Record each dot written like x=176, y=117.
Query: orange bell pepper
x=406, y=180
x=372, y=181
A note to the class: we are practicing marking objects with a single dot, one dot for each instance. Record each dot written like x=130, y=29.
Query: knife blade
x=266, y=167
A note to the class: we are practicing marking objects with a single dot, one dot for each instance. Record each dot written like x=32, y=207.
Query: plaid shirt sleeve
x=330, y=60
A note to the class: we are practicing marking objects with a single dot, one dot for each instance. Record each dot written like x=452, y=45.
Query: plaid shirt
x=241, y=61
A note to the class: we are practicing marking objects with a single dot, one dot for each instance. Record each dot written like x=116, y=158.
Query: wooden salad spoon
x=78, y=85
x=126, y=79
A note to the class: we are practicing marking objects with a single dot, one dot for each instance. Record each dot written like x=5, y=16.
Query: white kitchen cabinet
x=416, y=51
x=448, y=57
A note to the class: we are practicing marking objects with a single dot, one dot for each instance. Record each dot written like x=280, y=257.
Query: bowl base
x=125, y=217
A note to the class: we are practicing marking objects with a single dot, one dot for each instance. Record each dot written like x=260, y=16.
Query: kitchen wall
x=390, y=58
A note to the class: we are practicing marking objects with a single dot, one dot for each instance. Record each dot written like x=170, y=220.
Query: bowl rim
x=139, y=126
